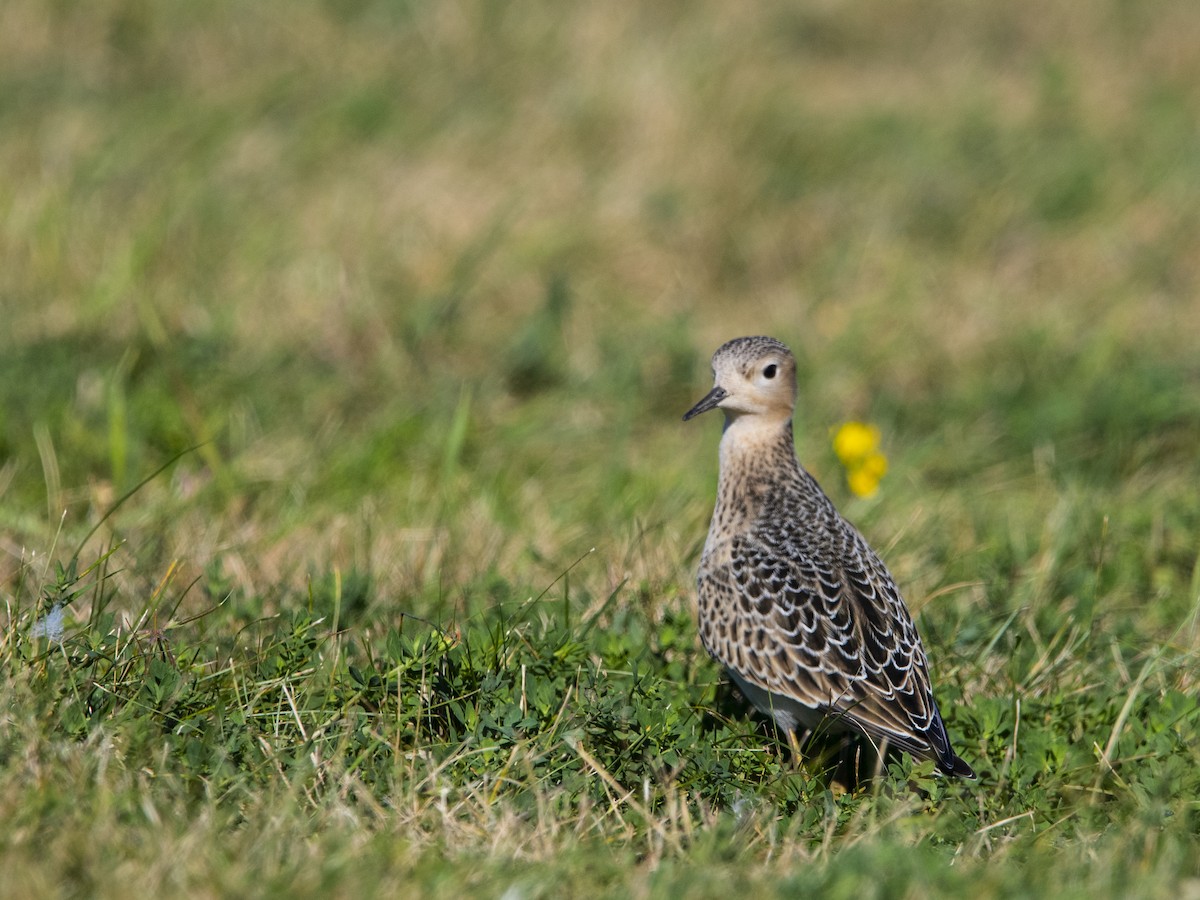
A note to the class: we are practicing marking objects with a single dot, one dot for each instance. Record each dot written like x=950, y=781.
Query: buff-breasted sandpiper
x=792, y=600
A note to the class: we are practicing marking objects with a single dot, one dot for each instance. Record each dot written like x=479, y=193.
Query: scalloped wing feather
x=834, y=636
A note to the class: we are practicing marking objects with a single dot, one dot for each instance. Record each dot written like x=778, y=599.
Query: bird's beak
x=710, y=401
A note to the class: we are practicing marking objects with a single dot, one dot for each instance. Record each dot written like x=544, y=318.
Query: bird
x=792, y=601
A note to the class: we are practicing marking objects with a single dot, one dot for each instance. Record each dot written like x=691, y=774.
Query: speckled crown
x=749, y=349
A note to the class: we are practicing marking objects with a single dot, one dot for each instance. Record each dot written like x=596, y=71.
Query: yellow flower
x=854, y=442
x=862, y=482
x=857, y=446
x=875, y=464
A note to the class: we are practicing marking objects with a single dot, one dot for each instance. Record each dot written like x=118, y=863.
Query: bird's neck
x=757, y=442
x=755, y=452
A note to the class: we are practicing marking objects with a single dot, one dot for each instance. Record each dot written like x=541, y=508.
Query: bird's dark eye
x=769, y=371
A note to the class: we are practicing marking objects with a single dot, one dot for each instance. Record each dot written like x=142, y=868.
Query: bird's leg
x=795, y=741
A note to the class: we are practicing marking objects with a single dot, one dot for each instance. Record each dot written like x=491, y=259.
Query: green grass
x=415, y=295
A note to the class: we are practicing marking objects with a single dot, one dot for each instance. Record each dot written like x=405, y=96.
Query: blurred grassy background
x=454, y=269
x=432, y=283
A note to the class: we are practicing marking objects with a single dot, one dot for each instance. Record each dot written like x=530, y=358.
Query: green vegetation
x=414, y=295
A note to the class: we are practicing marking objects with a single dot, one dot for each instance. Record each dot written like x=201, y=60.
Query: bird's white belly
x=788, y=713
